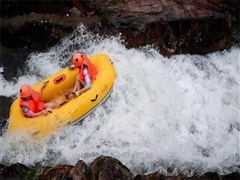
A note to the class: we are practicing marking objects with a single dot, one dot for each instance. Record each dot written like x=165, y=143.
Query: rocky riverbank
x=103, y=167
x=174, y=26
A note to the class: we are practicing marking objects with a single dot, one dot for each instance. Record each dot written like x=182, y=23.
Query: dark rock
x=36, y=26
x=210, y=176
x=81, y=6
x=152, y=176
x=34, y=31
x=175, y=26
x=19, y=7
x=74, y=11
x=2, y=169
x=104, y=168
x=40, y=171
x=15, y=170
x=233, y=8
x=13, y=60
x=21, y=35
x=80, y=171
x=40, y=31
x=158, y=176
x=206, y=176
x=232, y=176
x=58, y=172
x=5, y=104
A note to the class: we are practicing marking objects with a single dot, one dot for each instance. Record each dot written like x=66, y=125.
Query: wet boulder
x=27, y=27
x=13, y=61
x=175, y=26
x=105, y=167
x=80, y=171
x=57, y=172
x=5, y=104
x=15, y=170
x=38, y=25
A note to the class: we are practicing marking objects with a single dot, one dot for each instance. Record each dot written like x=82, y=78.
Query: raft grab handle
x=95, y=98
x=110, y=60
x=59, y=79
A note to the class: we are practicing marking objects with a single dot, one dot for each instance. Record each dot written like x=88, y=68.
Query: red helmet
x=25, y=91
x=78, y=59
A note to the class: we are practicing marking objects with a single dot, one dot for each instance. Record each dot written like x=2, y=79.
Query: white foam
x=11, y=88
x=180, y=113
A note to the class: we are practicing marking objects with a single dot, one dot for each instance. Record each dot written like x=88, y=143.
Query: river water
x=178, y=115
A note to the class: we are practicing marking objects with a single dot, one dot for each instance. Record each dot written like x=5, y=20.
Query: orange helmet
x=25, y=91
x=78, y=59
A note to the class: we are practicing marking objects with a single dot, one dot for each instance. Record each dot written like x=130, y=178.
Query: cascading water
x=178, y=115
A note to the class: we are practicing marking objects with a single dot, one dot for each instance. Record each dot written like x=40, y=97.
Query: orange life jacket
x=92, y=71
x=35, y=104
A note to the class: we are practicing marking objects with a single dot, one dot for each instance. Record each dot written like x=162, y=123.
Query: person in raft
x=31, y=103
x=87, y=74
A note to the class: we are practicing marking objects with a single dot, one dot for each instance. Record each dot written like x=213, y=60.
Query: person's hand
x=78, y=93
x=45, y=112
x=44, y=84
x=71, y=67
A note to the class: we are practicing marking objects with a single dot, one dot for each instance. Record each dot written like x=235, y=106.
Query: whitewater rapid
x=178, y=115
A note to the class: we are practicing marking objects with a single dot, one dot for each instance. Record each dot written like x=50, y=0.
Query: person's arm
x=42, y=113
x=41, y=90
x=72, y=67
x=88, y=82
x=86, y=87
x=27, y=112
x=30, y=114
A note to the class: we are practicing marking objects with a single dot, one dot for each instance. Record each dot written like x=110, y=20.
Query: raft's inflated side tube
x=72, y=111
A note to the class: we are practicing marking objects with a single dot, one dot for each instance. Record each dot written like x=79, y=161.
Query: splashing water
x=176, y=115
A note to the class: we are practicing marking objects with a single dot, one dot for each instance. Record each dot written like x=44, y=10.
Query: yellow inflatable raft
x=72, y=111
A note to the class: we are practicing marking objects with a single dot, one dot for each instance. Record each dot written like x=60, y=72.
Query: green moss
x=30, y=174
